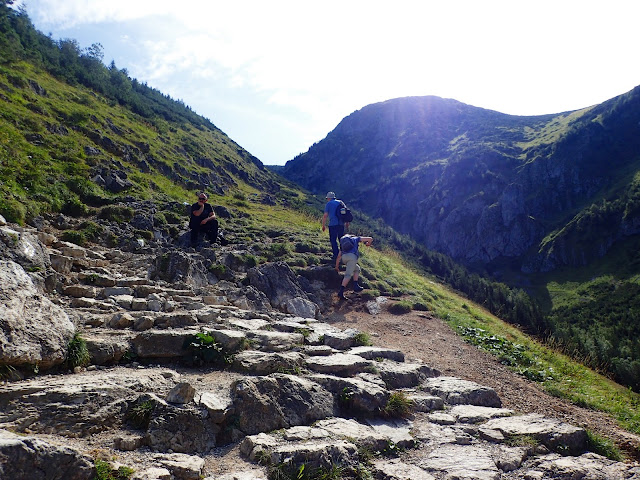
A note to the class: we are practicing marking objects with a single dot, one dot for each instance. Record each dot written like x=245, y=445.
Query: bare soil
x=421, y=335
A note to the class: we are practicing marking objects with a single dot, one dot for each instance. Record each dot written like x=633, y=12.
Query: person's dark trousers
x=210, y=229
x=335, y=233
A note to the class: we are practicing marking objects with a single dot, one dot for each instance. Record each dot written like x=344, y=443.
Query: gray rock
x=278, y=282
x=340, y=364
x=353, y=394
x=183, y=467
x=302, y=307
x=396, y=469
x=478, y=414
x=279, y=401
x=78, y=405
x=33, y=330
x=276, y=341
x=341, y=340
x=26, y=250
x=28, y=458
x=182, y=393
x=455, y=391
x=461, y=461
x=264, y=363
x=181, y=429
x=404, y=375
x=375, y=353
x=552, y=433
x=106, y=349
x=161, y=343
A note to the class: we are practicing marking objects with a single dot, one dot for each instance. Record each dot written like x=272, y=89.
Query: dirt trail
x=423, y=336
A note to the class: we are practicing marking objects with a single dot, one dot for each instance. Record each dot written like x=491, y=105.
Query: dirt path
x=422, y=336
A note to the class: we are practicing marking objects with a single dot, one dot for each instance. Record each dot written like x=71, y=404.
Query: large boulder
x=33, y=330
x=278, y=401
x=28, y=458
x=279, y=284
x=25, y=249
x=178, y=266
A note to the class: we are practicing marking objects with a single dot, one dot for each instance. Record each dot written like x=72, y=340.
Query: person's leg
x=350, y=260
x=333, y=239
x=195, y=230
x=356, y=274
x=212, y=230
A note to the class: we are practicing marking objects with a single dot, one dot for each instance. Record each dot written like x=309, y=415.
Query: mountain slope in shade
x=480, y=185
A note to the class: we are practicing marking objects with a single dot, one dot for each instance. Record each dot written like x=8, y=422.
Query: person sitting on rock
x=349, y=255
x=203, y=219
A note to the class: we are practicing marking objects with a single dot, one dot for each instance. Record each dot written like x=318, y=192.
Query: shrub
x=203, y=348
x=401, y=307
x=74, y=236
x=12, y=210
x=116, y=213
x=75, y=208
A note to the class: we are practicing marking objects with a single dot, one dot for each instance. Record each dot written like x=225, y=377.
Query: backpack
x=344, y=213
x=347, y=243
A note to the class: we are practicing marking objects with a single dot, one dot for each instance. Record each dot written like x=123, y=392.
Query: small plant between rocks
x=203, y=349
x=77, y=352
x=398, y=405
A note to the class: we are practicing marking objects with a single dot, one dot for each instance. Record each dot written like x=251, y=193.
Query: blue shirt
x=331, y=208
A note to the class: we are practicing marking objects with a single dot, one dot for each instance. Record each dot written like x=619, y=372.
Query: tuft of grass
x=77, y=352
x=139, y=416
x=362, y=339
x=105, y=472
x=603, y=446
x=398, y=405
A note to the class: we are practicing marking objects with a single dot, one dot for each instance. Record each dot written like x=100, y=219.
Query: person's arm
x=324, y=220
x=211, y=215
x=338, y=258
x=198, y=211
x=367, y=241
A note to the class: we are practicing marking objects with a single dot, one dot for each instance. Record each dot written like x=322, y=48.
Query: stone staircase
x=282, y=396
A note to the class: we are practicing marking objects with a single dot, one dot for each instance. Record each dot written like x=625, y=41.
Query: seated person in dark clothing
x=203, y=220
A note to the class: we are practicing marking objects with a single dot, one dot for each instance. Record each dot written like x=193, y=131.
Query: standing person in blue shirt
x=349, y=255
x=336, y=226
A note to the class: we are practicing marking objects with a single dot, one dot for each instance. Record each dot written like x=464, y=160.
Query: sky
x=277, y=76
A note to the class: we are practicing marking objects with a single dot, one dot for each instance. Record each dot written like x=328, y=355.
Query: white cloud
x=319, y=61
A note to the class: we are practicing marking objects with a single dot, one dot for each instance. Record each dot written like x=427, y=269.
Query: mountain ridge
x=532, y=168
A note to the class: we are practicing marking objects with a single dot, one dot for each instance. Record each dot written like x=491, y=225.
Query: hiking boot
x=341, y=293
x=357, y=287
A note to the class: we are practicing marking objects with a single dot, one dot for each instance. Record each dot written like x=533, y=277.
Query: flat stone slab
x=395, y=469
x=264, y=363
x=276, y=341
x=341, y=364
x=375, y=353
x=456, y=391
x=553, y=433
x=461, y=462
x=354, y=394
x=248, y=325
x=161, y=343
x=478, y=414
x=404, y=375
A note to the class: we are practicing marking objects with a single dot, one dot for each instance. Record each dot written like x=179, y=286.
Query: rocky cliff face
x=182, y=365
x=479, y=185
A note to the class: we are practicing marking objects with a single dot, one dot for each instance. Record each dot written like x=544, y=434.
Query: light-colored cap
x=330, y=195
